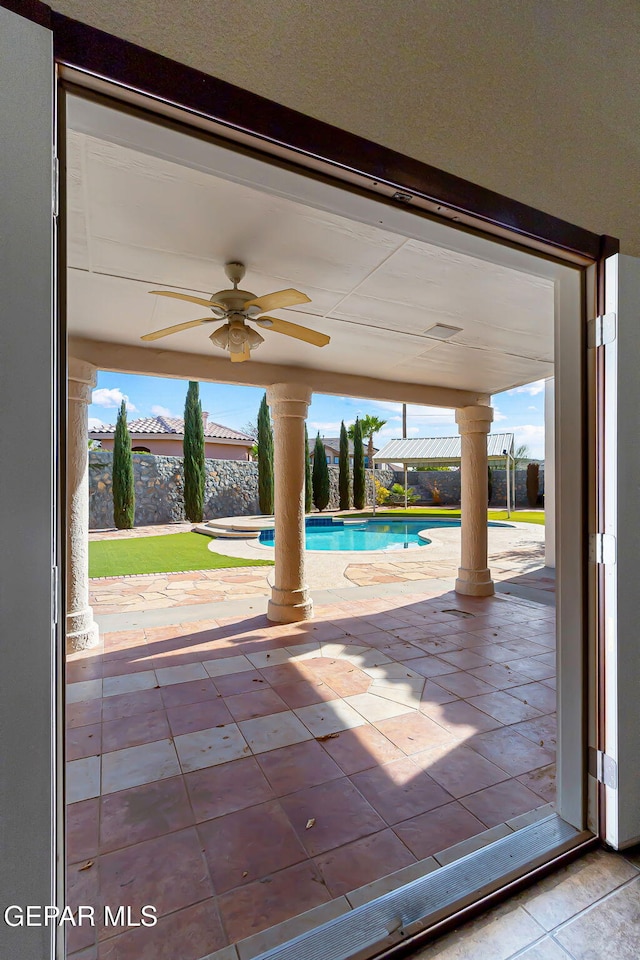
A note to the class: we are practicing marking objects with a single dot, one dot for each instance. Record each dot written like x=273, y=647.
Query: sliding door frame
x=132, y=77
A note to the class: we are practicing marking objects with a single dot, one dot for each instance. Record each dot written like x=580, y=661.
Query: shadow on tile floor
x=237, y=773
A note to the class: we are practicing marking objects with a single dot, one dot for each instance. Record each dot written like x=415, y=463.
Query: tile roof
x=333, y=443
x=148, y=426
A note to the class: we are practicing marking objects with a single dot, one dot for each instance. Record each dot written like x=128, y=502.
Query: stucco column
x=474, y=576
x=290, y=599
x=82, y=632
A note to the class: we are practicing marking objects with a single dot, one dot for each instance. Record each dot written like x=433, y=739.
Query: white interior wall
x=536, y=101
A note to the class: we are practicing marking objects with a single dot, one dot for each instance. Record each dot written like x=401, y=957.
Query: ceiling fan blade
x=281, y=298
x=294, y=330
x=186, y=296
x=175, y=329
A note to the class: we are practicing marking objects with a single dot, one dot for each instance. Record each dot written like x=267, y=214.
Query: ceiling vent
x=441, y=331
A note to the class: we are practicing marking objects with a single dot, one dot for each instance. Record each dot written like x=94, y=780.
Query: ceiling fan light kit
x=237, y=307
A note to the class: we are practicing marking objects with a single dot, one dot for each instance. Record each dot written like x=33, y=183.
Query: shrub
x=308, y=483
x=359, y=476
x=343, y=469
x=320, y=476
x=193, y=450
x=382, y=494
x=396, y=494
x=265, y=458
x=533, y=487
x=122, y=486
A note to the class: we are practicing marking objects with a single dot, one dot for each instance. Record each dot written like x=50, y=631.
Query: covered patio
x=244, y=760
x=376, y=276
x=254, y=780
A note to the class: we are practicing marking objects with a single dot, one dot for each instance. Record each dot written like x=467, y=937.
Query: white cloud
x=498, y=415
x=533, y=389
x=533, y=436
x=430, y=416
x=415, y=411
x=327, y=428
x=105, y=397
x=159, y=411
x=95, y=423
x=385, y=405
x=532, y=408
x=395, y=433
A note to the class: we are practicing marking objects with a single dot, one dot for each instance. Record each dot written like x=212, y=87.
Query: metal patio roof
x=439, y=449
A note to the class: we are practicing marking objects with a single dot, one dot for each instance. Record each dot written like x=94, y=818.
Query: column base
x=475, y=583
x=82, y=631
x=289, y=606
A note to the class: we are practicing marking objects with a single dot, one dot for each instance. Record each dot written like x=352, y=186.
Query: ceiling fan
x=238, y=306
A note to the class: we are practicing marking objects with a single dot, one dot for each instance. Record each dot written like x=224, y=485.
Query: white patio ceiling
x=152, y=208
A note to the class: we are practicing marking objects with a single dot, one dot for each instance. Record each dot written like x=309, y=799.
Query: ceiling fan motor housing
x=235, y=271
x=234, y=300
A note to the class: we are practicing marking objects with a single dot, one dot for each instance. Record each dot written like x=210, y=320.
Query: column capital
x=81, y=379
x=289, y=399
x=474, y=419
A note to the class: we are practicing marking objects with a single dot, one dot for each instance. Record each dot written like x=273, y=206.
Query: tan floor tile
x=495, y=936
x=273, y=731
x=134, y=766
x=330, y=717
x=572, y=889
x=610, y=929
x=545, y=949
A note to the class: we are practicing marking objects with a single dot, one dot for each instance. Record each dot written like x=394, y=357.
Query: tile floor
x=589, y=910
x=236, y=773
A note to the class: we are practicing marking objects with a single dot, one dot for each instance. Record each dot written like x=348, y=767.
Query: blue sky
x=520, y=411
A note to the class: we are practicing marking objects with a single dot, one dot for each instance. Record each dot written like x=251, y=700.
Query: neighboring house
x=164, y=436
x=332, y=451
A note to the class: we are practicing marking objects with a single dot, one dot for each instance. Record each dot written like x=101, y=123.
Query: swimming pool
x=325, y=533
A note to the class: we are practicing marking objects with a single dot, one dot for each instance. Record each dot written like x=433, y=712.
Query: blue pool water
x=323, y=533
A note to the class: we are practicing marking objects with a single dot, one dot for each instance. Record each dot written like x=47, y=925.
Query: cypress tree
x=359, y=476
x=321, y=488
x=193, y=450
x=265, y=458
x=533, y=484
x=343, y=469
x=122, y=486
x=308, y=483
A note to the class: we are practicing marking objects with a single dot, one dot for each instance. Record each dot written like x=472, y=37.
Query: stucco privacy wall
x=535, y=100
x=231, y=487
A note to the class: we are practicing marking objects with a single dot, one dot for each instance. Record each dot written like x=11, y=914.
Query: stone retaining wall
x=384, y=476
x=231, y=488
x=448, y=483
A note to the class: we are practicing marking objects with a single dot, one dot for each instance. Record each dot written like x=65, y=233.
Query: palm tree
x=520, y=454
x=368, y=425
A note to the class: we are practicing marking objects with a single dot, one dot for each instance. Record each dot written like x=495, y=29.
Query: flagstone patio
x=237, y=773
x=516, y=555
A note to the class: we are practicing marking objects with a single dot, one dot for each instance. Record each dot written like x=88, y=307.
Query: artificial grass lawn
x=521, y=516
x=171, y=553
